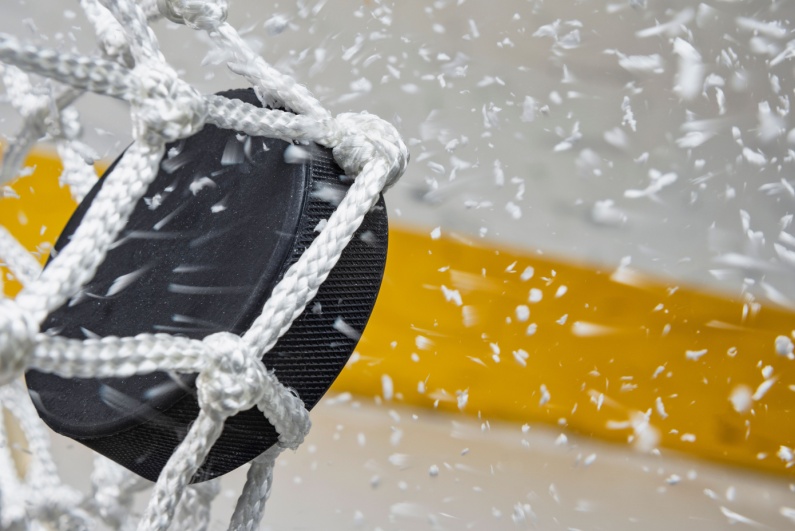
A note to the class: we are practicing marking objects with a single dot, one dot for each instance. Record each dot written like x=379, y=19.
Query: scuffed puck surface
x=225, y=217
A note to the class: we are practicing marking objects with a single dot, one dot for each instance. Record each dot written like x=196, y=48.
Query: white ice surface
x=378, y=461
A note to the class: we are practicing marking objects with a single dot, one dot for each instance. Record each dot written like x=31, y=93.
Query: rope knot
x=365, y=137
x=196, y=14
x=166, y=108
x=18, y=332
x=234, y=380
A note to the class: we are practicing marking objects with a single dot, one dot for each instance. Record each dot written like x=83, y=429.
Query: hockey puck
x=225, y=217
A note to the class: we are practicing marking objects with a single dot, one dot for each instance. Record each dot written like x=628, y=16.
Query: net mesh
x=130, y=66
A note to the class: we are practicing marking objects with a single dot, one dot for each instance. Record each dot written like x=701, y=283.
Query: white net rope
x=231, y=378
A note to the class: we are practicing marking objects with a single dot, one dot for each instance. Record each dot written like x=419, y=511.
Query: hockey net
x=130, y=66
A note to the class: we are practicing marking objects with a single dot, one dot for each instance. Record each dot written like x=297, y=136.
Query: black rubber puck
x=225, y=217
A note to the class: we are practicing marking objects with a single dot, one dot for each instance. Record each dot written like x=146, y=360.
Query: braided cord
x=231, y=375
x=179, y=470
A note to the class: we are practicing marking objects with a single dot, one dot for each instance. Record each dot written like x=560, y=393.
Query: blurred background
x=586, y=320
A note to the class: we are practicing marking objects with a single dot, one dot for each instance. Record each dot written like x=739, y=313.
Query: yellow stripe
x=614, y=352
x=37, y=210
x=605, y=350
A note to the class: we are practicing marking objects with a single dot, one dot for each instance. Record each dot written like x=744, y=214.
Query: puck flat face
x=225, y=217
